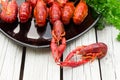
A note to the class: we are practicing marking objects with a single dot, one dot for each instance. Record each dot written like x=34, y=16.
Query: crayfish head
x=58, y=30
x=93, y=51
x=99, y=51
x=102, y=50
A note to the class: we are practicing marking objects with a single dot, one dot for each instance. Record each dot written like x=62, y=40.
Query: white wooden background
x=38, y=64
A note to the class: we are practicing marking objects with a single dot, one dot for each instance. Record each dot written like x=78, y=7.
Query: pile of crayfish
x=53, y=10
x=59, y=13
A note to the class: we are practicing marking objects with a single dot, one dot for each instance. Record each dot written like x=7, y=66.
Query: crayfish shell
x=81, y=11
x=9, y=11
x=40, y=13
x=25, y=11
x=67, y=12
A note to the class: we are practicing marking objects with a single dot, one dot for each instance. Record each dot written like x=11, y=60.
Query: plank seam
x=61, y=69
x=98, y=59
x=22, y=64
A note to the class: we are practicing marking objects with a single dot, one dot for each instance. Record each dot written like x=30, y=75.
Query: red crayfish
x=80, y=13
x=40, y=13
x=58, y=42
x=67, y=12
x=9, y=11
x=25, y=12
x=87, y=53
x=55, y=12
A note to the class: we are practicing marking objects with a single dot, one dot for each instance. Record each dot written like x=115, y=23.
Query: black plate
x=29, y=35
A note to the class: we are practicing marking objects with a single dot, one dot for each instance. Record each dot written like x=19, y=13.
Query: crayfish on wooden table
x=58, y=42
x=87, y=53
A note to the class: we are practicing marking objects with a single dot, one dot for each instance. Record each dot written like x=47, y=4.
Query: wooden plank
x=10, y=59
x=110, y=63
x=39, y=65
x=89, y=71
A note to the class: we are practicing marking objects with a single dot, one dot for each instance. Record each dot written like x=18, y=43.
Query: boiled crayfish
x=80, y=13
x=67, y=12
x=87, y=53
x=9, y=11
x=40, y=13
x=55, y=12
x=58, y=42
x=25, y=12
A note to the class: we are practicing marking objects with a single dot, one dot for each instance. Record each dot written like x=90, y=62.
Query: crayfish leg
x=73, y=63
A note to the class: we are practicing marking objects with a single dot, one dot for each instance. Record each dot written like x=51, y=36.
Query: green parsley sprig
x=110, y=11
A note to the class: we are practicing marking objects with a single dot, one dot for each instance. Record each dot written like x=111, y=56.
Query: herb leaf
x=110, y=11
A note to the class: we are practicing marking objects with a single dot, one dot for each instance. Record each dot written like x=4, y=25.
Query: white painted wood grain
x=39, y=65
x=89, y=71
x=110, y=63
x=10, y=59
